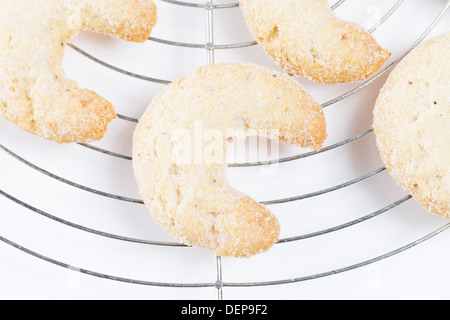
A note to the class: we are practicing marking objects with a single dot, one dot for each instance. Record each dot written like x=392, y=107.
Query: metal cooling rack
x=210, y=47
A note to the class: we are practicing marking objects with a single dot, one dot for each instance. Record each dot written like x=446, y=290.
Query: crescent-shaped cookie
x=412, y=124
x=179, y=152
x=35, y=94
x=305, y=38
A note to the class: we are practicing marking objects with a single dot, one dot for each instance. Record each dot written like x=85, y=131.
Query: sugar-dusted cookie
x=35, y=94
x=412, y=124
x=305, y=38
x=180, y=144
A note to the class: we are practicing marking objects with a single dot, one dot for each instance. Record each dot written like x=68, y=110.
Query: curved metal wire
x=87, y=229
x=303, y=155
x=324, y=191
x=386, y=16
x=345, y=269
x=103, y=275
x=203, y=46
x=203, y=5
x=257, y=163
x=125, y=72
x=68, y=182
x=174, y=244
x=224, y=284
x=348, y=224
x=138, y=201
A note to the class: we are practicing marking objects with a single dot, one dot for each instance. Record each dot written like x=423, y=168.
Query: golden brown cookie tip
x=305, y=38
x=180, y=144
x=35, y=94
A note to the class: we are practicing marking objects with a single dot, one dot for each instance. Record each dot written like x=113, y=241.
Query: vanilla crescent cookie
x=35, y=94
x=412, y=124
x=180, y=143
x=305, y=38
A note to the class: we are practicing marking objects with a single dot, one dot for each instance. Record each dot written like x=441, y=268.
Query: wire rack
x=211, y=48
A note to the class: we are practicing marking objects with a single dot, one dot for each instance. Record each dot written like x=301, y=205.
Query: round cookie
x=305, y=38
x=35, y=94
x=180, y=144
x=412, y=124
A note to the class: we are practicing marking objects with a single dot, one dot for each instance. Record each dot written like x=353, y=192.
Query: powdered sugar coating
x=35, y=94
x=305, y=38
x=412, y=124
x=190, y=197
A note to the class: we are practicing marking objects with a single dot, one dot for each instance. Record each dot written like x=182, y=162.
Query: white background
x=418, y=273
